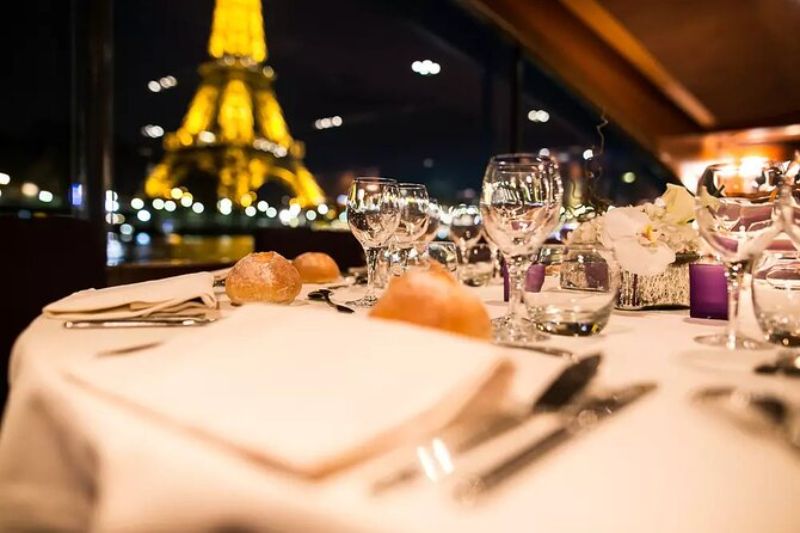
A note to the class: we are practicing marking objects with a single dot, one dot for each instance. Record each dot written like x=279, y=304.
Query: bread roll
x=433, y=298
x=316, y=267
x=263, y=277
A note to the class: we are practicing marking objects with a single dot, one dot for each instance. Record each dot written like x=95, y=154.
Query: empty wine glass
x=737, y=216
x=790, y=199
x=373, y=213
x=419, y=253
x=413, y=203
x=465, y=225
x=520, y=203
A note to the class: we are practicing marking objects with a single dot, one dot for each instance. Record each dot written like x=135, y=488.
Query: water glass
x=373, y=213
x=579, y=291
x=476, y=266
x=776, y=296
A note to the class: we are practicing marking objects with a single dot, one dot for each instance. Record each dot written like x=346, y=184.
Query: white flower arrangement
x=645, y=238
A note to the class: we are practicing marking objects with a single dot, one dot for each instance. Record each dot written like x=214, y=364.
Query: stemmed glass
x=465, y=226
x=373, y=213
x=737, y=216
x=790, y=199
x=520, y=203
x=413, y=202
x=421, y=246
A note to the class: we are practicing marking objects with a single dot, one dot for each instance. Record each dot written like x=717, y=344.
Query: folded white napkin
x=303, y=389
x=190, y=294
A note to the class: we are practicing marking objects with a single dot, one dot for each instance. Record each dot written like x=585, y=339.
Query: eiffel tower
x=234, y=131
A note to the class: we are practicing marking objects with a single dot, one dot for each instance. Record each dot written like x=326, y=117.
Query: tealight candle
x=708, y=291
x=534, y=279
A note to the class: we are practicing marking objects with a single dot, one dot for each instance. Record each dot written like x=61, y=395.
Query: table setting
x=639, y=374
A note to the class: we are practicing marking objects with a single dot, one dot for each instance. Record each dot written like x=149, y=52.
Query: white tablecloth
x=71, y=461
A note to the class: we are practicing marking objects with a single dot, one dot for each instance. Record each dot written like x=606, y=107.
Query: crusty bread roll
x=263, y=277
x=435, y=299
x=316, y=267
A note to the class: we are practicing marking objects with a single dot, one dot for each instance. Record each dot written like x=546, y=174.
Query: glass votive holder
x=708, y=291
x=476, y=266
x=578, y=291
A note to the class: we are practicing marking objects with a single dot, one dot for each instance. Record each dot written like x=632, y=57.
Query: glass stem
x=372, y=266
x=734, y=272
x=517, y=270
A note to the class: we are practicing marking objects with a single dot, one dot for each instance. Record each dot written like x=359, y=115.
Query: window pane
x=36, y=107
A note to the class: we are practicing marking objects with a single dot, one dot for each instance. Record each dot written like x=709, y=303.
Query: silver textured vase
x=670, y=289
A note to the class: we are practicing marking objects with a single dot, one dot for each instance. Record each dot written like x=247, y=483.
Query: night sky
x=350, y=58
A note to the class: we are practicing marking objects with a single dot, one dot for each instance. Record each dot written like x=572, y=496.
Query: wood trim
x=615, y=35
x=560, y=42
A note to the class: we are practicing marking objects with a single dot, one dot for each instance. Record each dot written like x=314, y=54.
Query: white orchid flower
x=678, y=205
x=633, y=237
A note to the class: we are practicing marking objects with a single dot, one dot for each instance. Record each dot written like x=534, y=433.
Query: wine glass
x=465, y=225
x=418, y=253
x=520, y=202
x=413, y=202
x=790, y=199
x=776, y=302
x=373, y=213
x=737, y=216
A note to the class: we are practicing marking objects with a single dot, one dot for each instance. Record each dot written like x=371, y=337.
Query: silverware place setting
x=760, y=412
x=140, y=322
x=434, y=458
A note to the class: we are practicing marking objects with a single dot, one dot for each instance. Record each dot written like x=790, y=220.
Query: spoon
x=324, y=295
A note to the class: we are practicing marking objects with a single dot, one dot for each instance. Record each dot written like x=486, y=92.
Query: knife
x=572, y=380
x=143, y=322
x=585, y=417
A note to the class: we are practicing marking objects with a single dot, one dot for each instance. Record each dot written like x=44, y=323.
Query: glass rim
x=375, y=179
x=408, y=185
x=507, y=159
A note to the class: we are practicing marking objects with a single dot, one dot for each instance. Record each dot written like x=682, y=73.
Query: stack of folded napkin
x=304, y=390
x=190, y=294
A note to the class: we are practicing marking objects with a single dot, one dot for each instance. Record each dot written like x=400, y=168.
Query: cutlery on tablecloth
x=324, y=295
x=779, y=413
x=786, y=363
x=142, y=322
x=457, y=439
x=581, y=419
x=546, y=350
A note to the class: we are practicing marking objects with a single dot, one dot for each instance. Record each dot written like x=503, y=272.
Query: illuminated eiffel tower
x=234, y=130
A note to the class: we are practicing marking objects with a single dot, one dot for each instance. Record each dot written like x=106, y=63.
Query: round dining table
x=71, y=460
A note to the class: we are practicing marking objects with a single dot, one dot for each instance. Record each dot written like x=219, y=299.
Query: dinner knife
x=571, y=381
x=182, y=321
x=470, y=489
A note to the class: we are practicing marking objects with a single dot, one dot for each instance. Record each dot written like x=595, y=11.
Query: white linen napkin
x=304, y=389
x=189, y=294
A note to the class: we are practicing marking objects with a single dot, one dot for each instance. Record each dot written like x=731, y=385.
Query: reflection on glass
x=776, y=296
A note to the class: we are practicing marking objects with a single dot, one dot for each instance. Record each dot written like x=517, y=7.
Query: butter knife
x=472, y=488
x=568, y=384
